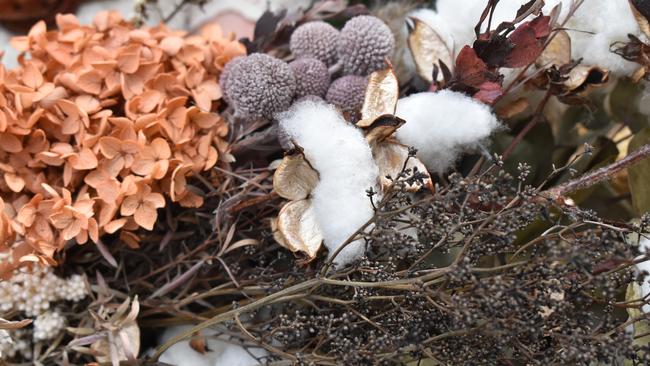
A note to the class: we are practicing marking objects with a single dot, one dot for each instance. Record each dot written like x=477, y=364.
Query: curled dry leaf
x=297, y=230
x=390, y=156
x=583, y=78
x=122, y=335
x=294, y=179
x=382, y=128
x=428, y=49
x=641, y=10
x=381, y=96
x=557, y=52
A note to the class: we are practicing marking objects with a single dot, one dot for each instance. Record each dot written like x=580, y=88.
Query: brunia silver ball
x=317, y=40
x=312, y=77
x=347, y=93
x=258, y=86
x=364, y=43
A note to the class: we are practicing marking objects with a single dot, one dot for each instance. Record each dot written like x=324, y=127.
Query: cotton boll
x=645, y=266
x=595, y=26
x=341, y=155
x=442, y=125
x=221, y=352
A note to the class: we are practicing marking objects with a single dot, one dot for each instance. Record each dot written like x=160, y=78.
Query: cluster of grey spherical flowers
x=259, y=85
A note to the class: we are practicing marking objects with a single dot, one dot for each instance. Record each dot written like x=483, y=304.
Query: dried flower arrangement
x=438, y=251
x=100, y=125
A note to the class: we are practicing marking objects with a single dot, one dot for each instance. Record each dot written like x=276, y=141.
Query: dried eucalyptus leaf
x=297, y=228
x=294, y=179
x=390, y=157
x=557, y=52
x=427, y=48
x=381, y=96
x=639, y=174
x=641, y=10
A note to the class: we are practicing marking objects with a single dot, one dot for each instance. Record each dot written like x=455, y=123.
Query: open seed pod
x=428, y=49
x=121, y=341
x=295, y=228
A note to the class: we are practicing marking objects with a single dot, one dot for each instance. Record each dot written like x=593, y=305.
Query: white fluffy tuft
x=442, y=125
x=342, y=157
x=594, y=27
x=221, y=352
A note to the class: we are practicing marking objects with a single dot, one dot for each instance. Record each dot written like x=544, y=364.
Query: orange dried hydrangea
x=99, y=124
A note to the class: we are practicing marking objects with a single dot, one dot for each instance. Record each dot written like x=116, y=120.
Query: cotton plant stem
x=599, y=175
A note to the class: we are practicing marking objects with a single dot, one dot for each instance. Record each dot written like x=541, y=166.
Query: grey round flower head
x=317, y=40
x=364, y=44
x=223, y=78
x=347, y=93
x=259, y=85
x=312, y=77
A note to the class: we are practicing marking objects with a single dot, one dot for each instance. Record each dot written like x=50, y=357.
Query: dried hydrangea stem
x=599, y=175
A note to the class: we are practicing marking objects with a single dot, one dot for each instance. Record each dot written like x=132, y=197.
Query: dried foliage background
x=497, y=266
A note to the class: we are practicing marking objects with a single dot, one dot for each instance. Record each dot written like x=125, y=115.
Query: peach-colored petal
x=129, y=205
x=146, y=215
x=14, y=182
x=10, y=143
x=90, y=82
x=142, y=166
x=84, y=160
x=109, y=146
x=206, y=120
x=161, y=148
x=32, y=76
x=128, y=62
x=171, y=45
x=114, y=225
x=156, y=199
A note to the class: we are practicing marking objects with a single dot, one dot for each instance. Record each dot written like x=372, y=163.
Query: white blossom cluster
x=31, y=291
x=34, y=292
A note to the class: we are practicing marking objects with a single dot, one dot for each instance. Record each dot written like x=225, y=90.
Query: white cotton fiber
x=442, y=125
x=595, y=26
x=343, y=159
x=644, y=245
x=221, y=352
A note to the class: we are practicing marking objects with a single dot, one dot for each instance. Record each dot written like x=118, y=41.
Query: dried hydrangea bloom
x=312, y=77
x=99, y=116
x=364, y=44
x=347, y=93
x=315, y=39
x=259, y=86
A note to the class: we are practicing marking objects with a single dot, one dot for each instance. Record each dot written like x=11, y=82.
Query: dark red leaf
x=489, y=92
x=528, y=42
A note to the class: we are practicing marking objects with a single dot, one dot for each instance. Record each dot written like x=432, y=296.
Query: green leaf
x=639, y=174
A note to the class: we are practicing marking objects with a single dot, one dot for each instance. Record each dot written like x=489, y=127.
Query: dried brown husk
x=391, y=157
x=557, y=52
x=641, y=12
x=294, y=179
x=297, y=230
x=584, y=78
x=381, y=96
x=428, y=49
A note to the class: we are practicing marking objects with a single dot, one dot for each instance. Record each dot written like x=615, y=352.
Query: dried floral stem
x=600, y=174
x=533, y=122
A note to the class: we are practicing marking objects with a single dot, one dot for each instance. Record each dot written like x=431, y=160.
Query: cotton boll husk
x=343, y=159
x=442, y=125
x=221, y=352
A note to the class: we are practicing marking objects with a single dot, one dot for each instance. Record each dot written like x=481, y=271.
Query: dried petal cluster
x=99, y=124
x=34, y=292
